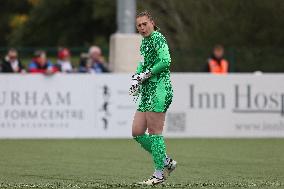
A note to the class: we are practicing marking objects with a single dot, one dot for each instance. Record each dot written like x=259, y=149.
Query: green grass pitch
x=113, y=163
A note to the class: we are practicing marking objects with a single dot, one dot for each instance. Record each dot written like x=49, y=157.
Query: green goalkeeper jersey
x=156, y=92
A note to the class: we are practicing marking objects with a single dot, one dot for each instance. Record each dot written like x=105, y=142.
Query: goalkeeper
x=153, y=86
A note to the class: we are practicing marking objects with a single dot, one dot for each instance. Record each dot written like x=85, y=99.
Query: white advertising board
x=241, y=105
x=98, y=106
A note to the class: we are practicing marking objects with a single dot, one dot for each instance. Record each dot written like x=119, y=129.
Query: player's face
x=144, y=25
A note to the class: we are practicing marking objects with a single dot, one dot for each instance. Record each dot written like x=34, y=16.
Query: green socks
x=145, y=142
x=158, y=151
x=155, y=145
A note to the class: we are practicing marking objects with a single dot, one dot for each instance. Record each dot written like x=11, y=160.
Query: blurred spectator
x=40, y=64
x=217, y=64
x=11, y=63
x=85, y=65
x=63, y=62
x=95, y=62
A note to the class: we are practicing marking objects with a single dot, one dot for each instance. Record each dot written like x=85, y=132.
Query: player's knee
x=150, y=131
x=134, y=134
x=155, y=131
x=137, y=132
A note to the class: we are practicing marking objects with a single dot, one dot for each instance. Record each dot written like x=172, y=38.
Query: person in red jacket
x=40, y=64
x=217, y=64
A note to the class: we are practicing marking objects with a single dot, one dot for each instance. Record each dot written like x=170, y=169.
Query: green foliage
x=67, y=23
x=8, y=9
x=193, y=27
x=204, y=22
x=202, y=163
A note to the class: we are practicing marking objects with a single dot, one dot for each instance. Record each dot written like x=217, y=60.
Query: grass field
x=203, y=163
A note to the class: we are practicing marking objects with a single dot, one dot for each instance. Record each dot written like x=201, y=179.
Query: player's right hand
x=134, y=85
x=133, y=91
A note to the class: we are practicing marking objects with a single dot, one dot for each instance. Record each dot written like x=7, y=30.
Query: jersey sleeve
x=163, y=54
x=139, y=68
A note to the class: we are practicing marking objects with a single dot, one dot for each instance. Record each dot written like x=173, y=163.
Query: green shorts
x=155, y=96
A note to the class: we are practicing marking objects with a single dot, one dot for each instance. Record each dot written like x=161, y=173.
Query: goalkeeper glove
x=137, y=79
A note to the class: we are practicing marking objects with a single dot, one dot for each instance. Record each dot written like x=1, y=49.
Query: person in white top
x=63, y=61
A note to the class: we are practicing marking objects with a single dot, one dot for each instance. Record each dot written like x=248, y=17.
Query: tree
x=193, y=27
x=67, y=23
x=9, y=12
